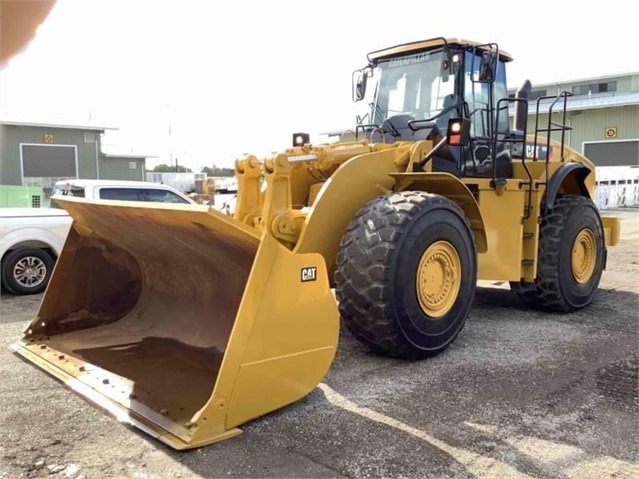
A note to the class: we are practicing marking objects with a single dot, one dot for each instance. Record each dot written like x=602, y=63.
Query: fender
x=577, y=172
x=445, y=184
x=36, y=237
x=357, y=181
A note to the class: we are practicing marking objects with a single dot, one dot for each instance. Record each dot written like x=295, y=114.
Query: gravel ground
x=521, y=393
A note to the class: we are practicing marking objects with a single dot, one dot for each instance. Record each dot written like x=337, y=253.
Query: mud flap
x=181, y=320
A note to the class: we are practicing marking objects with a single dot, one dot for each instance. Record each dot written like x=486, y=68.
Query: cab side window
x=126, y=194
x=162, y=196
x=140, y=194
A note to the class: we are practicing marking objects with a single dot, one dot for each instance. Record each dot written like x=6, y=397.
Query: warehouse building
x=602, y=113
x=39, y=154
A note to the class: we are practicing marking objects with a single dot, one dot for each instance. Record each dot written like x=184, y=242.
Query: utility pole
x=170, y=146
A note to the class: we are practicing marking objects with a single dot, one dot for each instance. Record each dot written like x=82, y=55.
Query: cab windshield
x=411, y=84
x=417, y=85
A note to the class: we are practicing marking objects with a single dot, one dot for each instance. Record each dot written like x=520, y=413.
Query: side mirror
x=359, y=83
x=487, y=67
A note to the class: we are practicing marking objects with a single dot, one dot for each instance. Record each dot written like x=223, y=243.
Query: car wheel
x=27, y=270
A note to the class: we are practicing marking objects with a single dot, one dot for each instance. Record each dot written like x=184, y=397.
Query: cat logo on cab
x=309, y=274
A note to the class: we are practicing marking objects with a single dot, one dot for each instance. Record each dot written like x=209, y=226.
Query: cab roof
x=420, y=45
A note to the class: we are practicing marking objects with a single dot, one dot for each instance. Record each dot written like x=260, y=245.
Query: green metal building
x=38, y=154
x=603, y=113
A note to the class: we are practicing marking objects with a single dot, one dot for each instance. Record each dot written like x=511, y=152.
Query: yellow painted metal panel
x=503, y=222
x=355, y=182
x=612, y=229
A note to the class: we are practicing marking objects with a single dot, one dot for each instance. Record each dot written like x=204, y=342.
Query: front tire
x=26, y=270
x=406, y=274
x=571, y=255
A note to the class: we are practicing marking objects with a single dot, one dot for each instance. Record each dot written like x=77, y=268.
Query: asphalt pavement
x=520, y=394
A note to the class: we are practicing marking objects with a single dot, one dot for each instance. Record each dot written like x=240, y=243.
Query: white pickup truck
x=31, y=238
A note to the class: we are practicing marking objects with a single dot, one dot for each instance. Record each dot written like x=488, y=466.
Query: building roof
x=586, y=102
x=58, y=125
x=603, y=101
x=598, y=79
x=125, y=155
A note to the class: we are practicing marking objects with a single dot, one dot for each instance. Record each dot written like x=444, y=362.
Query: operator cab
x=413, y=90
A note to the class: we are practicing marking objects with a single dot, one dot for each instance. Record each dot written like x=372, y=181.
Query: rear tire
x=406, y=274
x=571, y=255
x=26, y=270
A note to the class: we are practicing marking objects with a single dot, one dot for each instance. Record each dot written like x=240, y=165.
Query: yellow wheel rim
x=438, y=279
x=584, y=256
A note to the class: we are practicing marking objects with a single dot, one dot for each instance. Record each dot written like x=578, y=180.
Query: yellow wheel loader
x=188, y=323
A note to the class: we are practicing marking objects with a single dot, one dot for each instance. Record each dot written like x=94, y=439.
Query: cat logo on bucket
x=309, y=274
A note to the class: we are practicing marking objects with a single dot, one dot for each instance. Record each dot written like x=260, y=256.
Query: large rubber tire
x=572, y=255
x=406, y=274
x=26, y=270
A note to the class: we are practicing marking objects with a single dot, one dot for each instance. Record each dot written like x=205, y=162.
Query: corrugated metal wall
x=122, y=169
x=594, y=125
x=591, y=125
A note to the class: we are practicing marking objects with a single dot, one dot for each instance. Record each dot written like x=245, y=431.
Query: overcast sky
x=234, y=77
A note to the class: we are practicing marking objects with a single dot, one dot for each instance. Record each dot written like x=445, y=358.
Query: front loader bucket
x=182, y=320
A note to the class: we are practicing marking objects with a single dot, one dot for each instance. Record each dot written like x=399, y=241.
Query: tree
x=164, y=168
x=215, y=171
